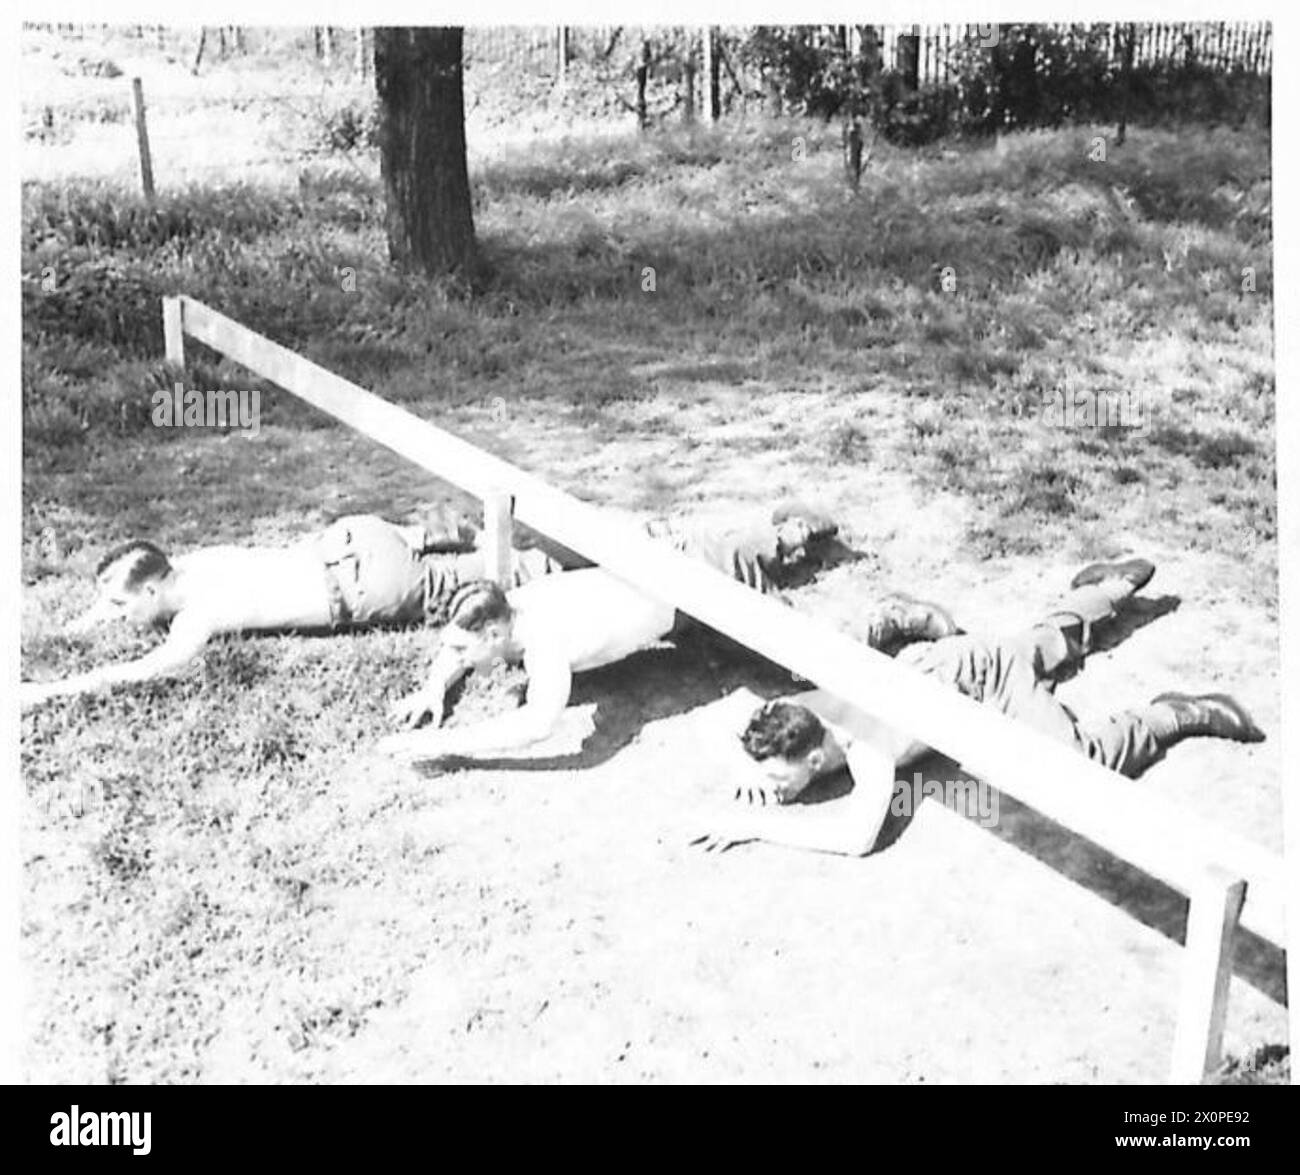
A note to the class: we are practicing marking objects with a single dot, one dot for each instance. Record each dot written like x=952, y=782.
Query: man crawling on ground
x=364, y=572
x=795, y=741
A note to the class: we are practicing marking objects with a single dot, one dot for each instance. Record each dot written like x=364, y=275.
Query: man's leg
x=758, y=555
x=754, y=555
x=1005, y=674
x=1132, y=740
x=443, y=574
x=1096, y=595
x=444, y=531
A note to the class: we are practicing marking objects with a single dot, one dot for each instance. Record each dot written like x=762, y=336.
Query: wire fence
x=546, y=50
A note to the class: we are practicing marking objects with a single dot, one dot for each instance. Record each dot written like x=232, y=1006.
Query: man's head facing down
x=787, y=741
x=131, y=578
x=480, y=623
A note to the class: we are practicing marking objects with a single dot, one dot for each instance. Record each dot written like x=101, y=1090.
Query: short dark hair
x=783, y=729
x=475, y=604
x=148, y=562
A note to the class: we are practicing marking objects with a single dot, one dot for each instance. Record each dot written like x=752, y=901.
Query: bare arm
x=188, y=634
x=849, y=826
x=430, y=701
x=549, y=681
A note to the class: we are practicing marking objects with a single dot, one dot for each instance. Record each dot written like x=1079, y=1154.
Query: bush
x=1035, y=76
x=101, y=300
x=103, y=216
x=913, y=119
x=349, y=127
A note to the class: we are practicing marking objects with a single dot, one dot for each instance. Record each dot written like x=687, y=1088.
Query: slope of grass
x=1123, y=277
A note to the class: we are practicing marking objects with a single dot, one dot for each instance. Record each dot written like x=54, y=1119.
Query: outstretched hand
x=718, y=842
x=410, y=746
x=419, y=709
x=728, y=826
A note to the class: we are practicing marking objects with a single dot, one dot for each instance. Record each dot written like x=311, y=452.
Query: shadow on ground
x=705, y=667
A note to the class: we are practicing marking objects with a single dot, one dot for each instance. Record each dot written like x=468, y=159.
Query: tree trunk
x=1023, y=83
x=418, y=77
x=908, y=60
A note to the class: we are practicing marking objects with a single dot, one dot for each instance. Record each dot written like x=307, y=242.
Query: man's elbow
x=534, y=727
x=861, y=843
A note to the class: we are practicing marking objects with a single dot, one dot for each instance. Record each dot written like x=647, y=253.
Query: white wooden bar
x=1134, y=824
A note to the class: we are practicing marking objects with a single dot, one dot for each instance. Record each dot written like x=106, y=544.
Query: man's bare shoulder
x=570, y=590
x=226, y=557
x=589, y=616
x=239, y=588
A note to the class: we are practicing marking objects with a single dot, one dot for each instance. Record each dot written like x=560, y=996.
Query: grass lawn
x=221, y=883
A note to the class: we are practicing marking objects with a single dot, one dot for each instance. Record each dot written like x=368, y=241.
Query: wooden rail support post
x=498, y=530
x=1212, y=916
x=174, y=333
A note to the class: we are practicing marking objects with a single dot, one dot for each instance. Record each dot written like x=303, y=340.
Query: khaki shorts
x=374, y=573
x=380, y=574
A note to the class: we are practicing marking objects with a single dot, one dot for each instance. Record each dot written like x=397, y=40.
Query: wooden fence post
x=142, y=138
x=561, y=54
x=1212, y=916
x=498, y=533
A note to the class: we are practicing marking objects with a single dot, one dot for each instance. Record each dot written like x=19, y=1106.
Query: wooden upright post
x=174, y=333
x=1212, y=916
x=561, y=54
x=142, y=138
x=498, y=531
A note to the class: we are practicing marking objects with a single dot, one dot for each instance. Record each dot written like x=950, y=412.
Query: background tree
x=418, y=77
